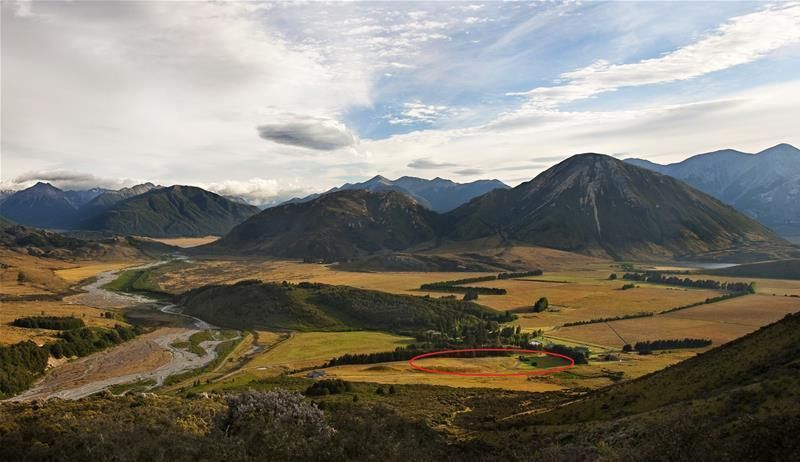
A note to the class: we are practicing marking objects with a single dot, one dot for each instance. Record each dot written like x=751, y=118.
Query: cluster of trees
x=706, y=301
x=20, y=364
x=49, y=322
x=457, y=285
x=659, y=278
x=308, y=306
x=399, y=354
x=474, y=338
x=407, y=313
x=85, y=341
x=541, y=305
x=651, y=345
x=447, y=287
x=642, y=314
x=470, y=295
x=328, y=387
x=579, y=355
x=523, y=274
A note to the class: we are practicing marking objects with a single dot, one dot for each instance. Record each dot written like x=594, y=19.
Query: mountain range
x=589, y=203
x=145, y=209
x=438, y=194
x=764, y=186
x=172, y=211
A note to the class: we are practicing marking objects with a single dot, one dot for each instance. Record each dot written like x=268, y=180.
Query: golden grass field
x=309, y=349
x=721, y=322
x=401, y=373
x=576, y=286
x=13, y=310
x=43, y=276
x=46, y=277
x=38, y=274
x=593, y=375
x=184, y=242
x=86, y=271
x=587, y=293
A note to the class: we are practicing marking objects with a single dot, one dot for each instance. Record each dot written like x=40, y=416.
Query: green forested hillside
x=256, y=305
x=334, y=227
x=171, y=212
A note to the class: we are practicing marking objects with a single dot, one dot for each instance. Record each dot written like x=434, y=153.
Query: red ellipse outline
x=492, y=374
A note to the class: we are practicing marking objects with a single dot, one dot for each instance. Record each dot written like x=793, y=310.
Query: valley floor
x=578, y=290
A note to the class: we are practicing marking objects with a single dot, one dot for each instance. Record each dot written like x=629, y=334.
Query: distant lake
x=708, y=265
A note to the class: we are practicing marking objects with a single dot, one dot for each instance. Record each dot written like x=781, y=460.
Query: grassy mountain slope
x=333, y=227
x=108, y=199
x=756, y=363
x=255, y=305
x=735, y=402
x=173, y=211
x=596, y=204
x=40, y=243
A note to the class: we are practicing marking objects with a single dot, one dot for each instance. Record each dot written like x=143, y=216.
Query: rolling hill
x=764, y=186
x=306, y=306
x=596, y=204
x=171, y=212
x=334, y=227
x=46, y=244
x=438, y=194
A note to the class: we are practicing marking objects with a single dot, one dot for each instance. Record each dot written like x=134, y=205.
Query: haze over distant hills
x=765, y=185
x=589, y=203
x=438, y=194
x=144, y=209
x=107, y=199
x=42, y=205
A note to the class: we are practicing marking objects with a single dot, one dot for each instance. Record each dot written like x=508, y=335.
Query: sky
x=268, y=101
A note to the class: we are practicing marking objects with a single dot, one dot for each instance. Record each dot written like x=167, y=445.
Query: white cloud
x=157, y=88
x=318, y=133
x=749, y=120
x=415, y=112
x=429, y=164
x=67, y=180
x=260, y=191
x=741, y=40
